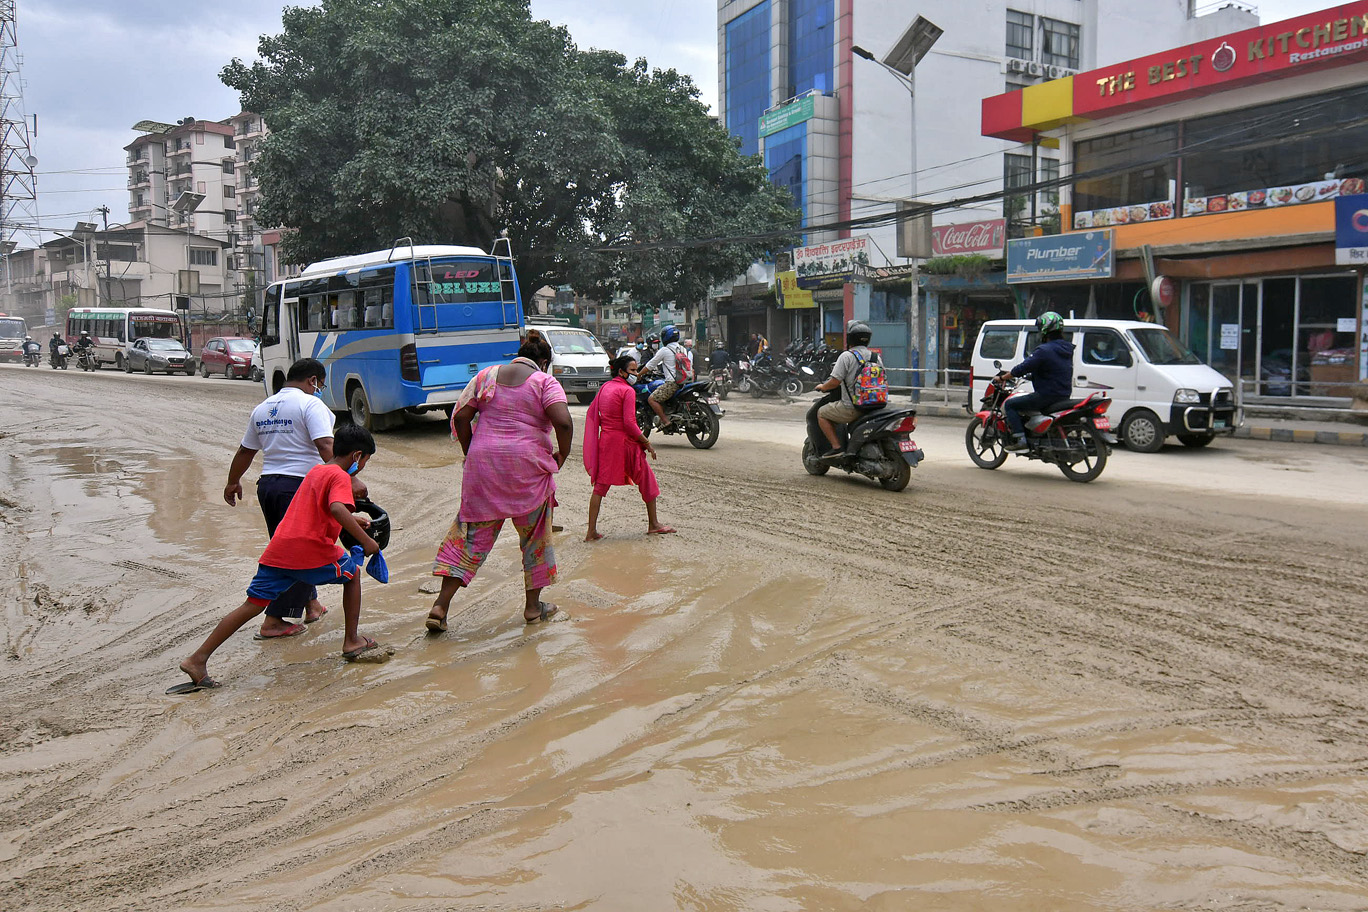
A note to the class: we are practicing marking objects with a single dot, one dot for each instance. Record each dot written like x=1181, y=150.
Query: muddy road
x=993, y=690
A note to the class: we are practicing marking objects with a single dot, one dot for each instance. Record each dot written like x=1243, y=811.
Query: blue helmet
x=669, y=334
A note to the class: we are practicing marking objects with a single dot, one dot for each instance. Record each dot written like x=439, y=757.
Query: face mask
x=355, y=467
x=318, y=393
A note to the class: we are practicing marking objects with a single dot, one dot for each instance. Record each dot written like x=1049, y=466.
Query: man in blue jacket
x=1050, y=369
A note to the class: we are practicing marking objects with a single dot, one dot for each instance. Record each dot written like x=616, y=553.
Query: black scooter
x=877, y=445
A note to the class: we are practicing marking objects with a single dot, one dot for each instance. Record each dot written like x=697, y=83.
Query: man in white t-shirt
x=666, y=362
x=293, y=430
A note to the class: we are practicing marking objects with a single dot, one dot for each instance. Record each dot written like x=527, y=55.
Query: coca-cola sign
x=987, y=238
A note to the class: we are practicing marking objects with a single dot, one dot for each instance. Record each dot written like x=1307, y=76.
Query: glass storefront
x=1284, y=336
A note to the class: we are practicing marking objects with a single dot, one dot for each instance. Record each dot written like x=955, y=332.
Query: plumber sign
x=1061, y=257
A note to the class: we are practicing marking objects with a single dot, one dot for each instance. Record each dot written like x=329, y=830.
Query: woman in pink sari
x=510, y=473
x=615, y=449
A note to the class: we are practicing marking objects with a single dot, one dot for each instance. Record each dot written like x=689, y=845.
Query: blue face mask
x=355, y=467
x=318, y=393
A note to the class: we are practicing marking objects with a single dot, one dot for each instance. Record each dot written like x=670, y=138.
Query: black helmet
x=858, y=333
x=379, y=527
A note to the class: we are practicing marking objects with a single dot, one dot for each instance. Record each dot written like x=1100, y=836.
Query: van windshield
x=564, y=342
x=1161, y=348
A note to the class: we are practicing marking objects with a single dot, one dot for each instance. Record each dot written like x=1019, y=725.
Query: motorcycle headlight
x=1187, y=397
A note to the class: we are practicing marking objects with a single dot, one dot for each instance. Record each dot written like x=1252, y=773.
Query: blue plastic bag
x=376, y=567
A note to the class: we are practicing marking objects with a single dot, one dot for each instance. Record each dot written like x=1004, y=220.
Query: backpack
x=683, y=363
x=869, y=386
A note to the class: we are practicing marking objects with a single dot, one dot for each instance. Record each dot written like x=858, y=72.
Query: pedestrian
x=305, y=549
x=293, y=431
x=615, y=448
x=510, y=473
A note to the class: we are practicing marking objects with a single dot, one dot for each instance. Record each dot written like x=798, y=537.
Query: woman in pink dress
x=615, y=449
x=510, y=473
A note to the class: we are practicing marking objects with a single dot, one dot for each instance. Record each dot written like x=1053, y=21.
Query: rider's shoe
x=1016, y=445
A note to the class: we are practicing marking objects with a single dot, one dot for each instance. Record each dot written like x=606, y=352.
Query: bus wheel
x=359, y=407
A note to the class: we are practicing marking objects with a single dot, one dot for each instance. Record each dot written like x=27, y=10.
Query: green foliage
x=969, y=265
x=449, y=120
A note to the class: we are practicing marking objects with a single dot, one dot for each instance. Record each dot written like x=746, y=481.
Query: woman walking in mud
x=615, y=449
x=510, y=473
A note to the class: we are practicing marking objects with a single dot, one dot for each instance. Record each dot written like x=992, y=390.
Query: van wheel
x=584, y=398
x=1195, y=440
x=1143, y=432
x=359, y=407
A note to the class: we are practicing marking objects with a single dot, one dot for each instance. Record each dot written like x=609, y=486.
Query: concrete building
x=847, y=137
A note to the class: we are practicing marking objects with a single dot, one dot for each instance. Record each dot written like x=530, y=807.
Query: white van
x=578, y=361
x=1158, y=388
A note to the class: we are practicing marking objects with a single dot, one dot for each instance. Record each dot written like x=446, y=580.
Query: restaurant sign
x=986, y=238
x=1351, y=230
x=1061, y=257
x=835, y=261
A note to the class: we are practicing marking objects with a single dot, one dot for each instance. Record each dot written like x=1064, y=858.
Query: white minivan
x=1157, y=386
x=578, y=361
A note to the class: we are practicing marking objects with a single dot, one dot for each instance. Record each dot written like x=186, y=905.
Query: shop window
x=1149, y=182
x=999, y=343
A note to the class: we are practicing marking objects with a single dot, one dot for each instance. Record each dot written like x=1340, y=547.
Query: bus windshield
x=12, y=328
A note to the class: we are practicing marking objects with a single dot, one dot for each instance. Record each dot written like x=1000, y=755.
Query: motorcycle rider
x=667, y=360
x=719, y=357
x=32, y=347
x=84, y=343
x=843, y=371
x=1050, y=369
x=55, y=341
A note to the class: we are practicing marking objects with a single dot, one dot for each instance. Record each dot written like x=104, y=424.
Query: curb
x=1247, y=432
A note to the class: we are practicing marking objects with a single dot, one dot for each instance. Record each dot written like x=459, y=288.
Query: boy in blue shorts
x=305, y=549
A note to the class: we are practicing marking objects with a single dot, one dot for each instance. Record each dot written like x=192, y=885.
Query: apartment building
x=801, y=84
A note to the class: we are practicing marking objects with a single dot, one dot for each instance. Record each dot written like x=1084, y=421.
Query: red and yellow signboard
x=1332, y=37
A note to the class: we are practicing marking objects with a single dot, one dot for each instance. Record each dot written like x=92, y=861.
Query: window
x=1149, y=182
x=270, y=318
x=229, y=191
x=1161, y=348
x=1020, y=34
x=1059, y=43
x=1105, y=347
x=199, y=139
x=812, y=45
x=1016, y=173
x=457, y=282
x=1049, y=171
x=229, y=215
x=999, y=343
x=785, y=152
x=228, y=142
x=747, y=75
x=201, y=257
x=228, y=166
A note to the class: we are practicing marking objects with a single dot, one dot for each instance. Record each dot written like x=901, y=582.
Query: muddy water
x=817, y=696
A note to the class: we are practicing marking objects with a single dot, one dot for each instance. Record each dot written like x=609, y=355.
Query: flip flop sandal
x=309, y=620
x=436, y=625
x=293, y=630
x=545, y=614
x=352, y=655
x=189, y=687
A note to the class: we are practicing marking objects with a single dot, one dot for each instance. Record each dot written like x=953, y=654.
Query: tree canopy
x=452, y=120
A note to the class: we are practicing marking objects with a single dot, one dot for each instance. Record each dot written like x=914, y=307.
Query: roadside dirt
x=994, y=690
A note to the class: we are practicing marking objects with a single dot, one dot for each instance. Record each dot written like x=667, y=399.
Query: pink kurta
x=511, y=467
x=611, y=453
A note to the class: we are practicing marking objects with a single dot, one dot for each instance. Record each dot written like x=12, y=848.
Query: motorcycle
x=722, y=381
x=877, y=445
x=58, y=357
x=693, y=411
x=775, y=377
x=741, y=374
x=1076, y=436
x=85, y=359
x=33, y=355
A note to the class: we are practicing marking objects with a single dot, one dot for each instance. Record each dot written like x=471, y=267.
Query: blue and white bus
x=400, y=330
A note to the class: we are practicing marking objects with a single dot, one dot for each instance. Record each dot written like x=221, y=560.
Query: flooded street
x=995, y=690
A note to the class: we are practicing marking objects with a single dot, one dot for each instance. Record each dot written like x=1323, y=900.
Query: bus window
x=348, y=316
x=457, y=282
x=377, y=291
x=311, y=310
x=270, y=323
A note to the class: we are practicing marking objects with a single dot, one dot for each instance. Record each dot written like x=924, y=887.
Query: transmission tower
x=18, y=186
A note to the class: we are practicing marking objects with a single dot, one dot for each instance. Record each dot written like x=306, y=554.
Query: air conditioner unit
x=1055, y=72
x=1016, y=66
x=1034, y=69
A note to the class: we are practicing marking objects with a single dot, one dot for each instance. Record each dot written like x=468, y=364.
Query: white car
x=578, y=361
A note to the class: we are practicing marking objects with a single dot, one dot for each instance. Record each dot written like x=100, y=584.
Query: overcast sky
x=93, y=68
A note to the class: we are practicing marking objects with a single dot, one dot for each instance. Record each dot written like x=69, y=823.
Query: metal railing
x=946, y=386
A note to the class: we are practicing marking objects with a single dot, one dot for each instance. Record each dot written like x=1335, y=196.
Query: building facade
x=846, y=136
x=1219, y=166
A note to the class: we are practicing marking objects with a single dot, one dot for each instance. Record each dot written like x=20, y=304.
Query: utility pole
x=103, y=299
x=18, y=186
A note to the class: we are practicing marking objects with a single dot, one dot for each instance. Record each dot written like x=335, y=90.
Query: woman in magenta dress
x=510, y=473
x=615, y=449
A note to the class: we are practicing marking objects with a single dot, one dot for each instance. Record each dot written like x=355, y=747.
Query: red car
x=227, y=355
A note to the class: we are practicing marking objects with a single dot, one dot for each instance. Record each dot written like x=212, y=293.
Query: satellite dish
x=31, y=161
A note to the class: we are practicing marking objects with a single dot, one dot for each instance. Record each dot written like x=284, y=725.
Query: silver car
x=164, y=355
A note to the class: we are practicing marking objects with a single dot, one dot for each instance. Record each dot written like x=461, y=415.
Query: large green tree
x=451, y=120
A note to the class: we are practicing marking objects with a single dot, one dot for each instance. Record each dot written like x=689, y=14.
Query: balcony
x=140, y=179
x=181, y=170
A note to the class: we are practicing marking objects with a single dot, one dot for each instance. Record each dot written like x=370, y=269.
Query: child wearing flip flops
x=305, y=549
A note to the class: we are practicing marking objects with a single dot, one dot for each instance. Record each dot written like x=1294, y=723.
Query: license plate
x=1102, y=424
x=593, y=384
x=1218, y=424
x=907, y=446
x=713, y=400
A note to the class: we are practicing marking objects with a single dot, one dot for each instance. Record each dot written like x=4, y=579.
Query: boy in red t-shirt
x=305, y=549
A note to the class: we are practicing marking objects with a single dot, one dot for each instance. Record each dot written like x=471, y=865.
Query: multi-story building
x=798, y=87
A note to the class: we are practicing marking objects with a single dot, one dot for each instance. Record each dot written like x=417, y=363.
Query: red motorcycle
x=1076, y=436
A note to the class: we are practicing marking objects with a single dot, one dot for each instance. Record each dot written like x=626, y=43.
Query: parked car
x=1275, y=369
x=230, y=356
x=152, y=355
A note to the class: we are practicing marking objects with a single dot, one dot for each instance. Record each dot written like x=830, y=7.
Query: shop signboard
x=788, y=114
x=1351, y=230
x=834, y=261
x=791, y=297
x=1061, y=257
x=986, y=238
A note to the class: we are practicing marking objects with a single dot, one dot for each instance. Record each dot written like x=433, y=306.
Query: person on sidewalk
x=293, y=431
x=510, y=473
x=615, y=448
x=305, y=550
